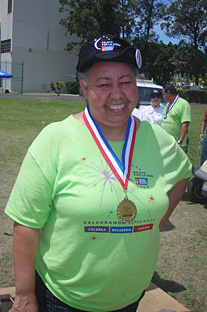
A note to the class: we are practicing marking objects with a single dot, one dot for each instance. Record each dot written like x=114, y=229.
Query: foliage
x=72, y=87
x=187, y=18
x=57, y=86
x=148, y=13
x=89, y=19
x=159, y=64
x=135, y=21
x=189, y=60
x=197, y=96
x=182, y=93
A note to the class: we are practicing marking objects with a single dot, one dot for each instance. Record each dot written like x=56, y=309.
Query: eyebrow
x=108, y=78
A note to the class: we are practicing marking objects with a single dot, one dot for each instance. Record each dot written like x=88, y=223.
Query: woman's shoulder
x=55, y=133
x=151, y=130
x=60, y=127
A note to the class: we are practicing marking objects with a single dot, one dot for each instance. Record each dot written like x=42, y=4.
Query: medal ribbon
x=171, y=106
x=120, y=170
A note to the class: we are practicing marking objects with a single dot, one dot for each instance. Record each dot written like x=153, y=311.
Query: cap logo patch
x=105, y=44
x=107, y=48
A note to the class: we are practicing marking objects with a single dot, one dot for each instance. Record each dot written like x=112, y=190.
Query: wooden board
x=155, y=300
x=8, y=290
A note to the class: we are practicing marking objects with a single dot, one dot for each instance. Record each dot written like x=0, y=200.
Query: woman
x=154, y=112
x=87, y=211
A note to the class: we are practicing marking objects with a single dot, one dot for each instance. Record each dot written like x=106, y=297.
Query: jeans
x=204, y=151
x=47, y=302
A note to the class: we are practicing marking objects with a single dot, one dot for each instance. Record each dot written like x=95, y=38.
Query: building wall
x=6, y=33
x=39, y=41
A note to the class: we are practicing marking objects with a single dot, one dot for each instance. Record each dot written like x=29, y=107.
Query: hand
x=25, y=303
x=201, y=136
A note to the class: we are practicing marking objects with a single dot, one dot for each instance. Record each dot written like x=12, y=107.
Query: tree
x=188, y=19
x=149, y=13
x=88, y=19
x=188, y=60
x=159, y=64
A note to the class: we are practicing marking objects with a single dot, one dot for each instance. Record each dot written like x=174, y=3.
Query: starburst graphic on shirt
x=151, y=199
x=102, y=175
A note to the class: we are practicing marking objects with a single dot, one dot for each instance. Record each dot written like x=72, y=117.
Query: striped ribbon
x=169, y=107
x=120, y=170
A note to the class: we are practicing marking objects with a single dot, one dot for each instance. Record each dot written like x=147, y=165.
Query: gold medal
x=126, y=210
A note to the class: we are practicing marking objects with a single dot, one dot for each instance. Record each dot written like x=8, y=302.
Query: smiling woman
x=112, y=95
x=87, y=212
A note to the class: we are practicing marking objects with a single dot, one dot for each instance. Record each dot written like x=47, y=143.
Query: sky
x=163, y=37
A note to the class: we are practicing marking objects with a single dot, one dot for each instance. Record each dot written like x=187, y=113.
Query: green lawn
x=181, y=269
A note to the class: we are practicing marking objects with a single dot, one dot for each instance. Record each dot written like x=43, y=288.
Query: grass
x=181, y=269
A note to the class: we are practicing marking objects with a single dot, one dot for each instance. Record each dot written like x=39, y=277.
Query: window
x=6, y=46
x=9, y=6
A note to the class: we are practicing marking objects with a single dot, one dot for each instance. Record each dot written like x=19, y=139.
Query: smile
x=117, y=106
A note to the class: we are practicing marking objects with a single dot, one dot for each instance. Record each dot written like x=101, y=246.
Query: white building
x=31, y=35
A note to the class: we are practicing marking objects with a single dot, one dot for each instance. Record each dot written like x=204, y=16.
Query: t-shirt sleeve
x=186, y=113
x=30, y=200
x=174, y=165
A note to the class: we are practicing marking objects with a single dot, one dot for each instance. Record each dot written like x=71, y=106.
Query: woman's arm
x=25, y=247
x=183, y=131
x=175, y=195
x=203, y=127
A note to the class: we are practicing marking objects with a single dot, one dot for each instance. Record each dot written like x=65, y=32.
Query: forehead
x=110, y=70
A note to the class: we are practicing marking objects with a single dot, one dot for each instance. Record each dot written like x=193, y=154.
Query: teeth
x=116, y=106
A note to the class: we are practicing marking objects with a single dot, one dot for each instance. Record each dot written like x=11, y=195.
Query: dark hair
x=138, y=104
x=156, y=92
x=171, y=88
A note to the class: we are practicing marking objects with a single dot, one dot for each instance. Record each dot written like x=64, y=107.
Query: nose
x=116, y=92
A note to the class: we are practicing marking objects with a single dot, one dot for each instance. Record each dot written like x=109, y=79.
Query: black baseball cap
x=108, y=49
x=157, y=93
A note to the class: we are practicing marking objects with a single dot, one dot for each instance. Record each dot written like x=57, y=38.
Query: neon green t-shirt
x=180, y=113
x=87, y=256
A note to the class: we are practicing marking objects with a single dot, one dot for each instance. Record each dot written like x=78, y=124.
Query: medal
x=126, y=209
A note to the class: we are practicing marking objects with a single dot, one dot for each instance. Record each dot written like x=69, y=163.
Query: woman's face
x=111, y=93
x=155, y=101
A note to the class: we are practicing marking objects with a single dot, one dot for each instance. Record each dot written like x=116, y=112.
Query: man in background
x=154, y=112
x=203, y=127
x=177, y=116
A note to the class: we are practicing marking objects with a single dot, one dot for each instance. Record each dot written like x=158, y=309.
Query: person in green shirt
x=177, y=116
x=89, y=201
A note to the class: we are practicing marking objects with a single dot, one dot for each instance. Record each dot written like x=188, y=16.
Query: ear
x=84, y=89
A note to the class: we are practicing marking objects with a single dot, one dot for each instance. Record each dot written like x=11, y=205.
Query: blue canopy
x=5, y=75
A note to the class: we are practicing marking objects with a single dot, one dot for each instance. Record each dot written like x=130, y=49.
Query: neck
x=110, y=133
x=172, y=98
x=116, y=133
x=155, y=106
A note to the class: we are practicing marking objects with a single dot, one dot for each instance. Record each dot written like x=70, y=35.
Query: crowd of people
x=95, y=189
x=174, y=118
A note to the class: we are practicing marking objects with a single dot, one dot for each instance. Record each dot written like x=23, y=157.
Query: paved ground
x=50, y=96
x=42, y=96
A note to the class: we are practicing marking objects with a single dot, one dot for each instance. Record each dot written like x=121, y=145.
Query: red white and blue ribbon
x=120, y=170
x=169, y=107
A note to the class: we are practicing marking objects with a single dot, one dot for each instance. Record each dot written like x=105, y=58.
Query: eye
x=104, y=85
x=125, y=83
